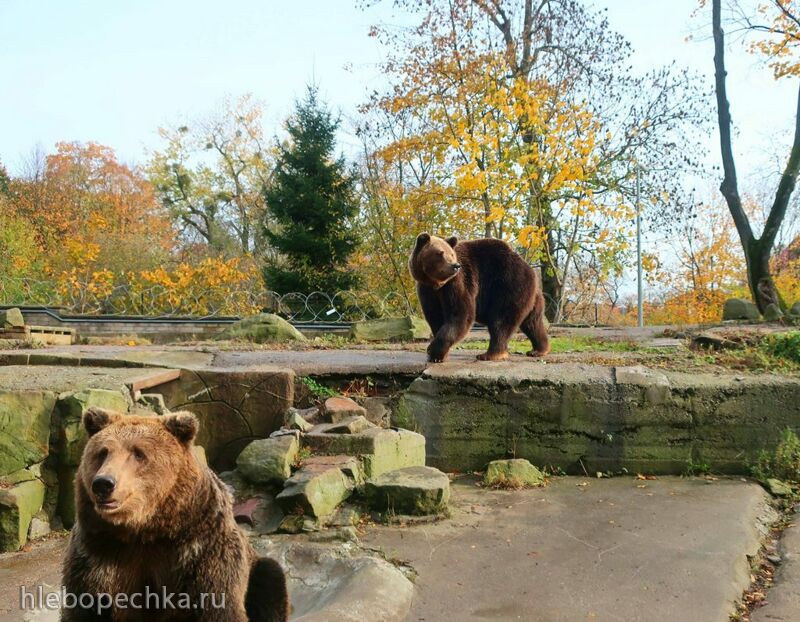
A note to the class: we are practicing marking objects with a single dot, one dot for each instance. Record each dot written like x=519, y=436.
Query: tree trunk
x=552, y=283
x=759, y=278
x=757, y=251
x=552, y=290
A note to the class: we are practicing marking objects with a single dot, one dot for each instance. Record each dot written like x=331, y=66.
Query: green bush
x=784, y=463
x=783, y=345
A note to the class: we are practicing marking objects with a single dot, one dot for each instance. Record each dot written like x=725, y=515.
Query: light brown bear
x=459, y=283
x=152, y=520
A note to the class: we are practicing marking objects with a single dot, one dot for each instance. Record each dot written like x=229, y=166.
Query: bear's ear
x=452, y=241
x=183, y=426
x=95, y=419
x=422, y=240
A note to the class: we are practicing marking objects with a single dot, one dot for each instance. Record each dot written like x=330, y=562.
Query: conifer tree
x=313, y=201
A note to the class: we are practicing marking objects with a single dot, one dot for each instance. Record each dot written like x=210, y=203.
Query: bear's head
x=132, y=464
x=434, y=261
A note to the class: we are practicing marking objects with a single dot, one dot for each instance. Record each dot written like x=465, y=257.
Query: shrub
x=783, y=345
x=784, y=463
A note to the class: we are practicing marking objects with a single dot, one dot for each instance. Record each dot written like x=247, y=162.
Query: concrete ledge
x=597, y=418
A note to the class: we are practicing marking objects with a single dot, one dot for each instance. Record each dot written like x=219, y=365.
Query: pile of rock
x=322, y=460
x=41, y=446
x=739, y=309
x=40, y=450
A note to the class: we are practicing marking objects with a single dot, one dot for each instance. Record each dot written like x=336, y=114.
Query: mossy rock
x=72, y=436
x=517, y=473
x=269, y=459
x=773, y=313
x=18, y=505
x=406, y=328
x=262, y=328
x=417, y=490
x=740, y=309
x=25, y=418
x=11, y=318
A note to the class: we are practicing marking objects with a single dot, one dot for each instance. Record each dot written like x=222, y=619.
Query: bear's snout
x=455, y=266
x=103, y=486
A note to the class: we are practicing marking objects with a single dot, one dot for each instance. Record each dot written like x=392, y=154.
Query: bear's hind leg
x=535, y=330
x=267, y=599
x=499, y=334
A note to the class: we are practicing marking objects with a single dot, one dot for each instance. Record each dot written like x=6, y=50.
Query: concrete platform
x=604, y=550
x=585, y=550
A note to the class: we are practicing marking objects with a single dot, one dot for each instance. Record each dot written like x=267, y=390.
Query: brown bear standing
x=460, y=283
x=152, y=520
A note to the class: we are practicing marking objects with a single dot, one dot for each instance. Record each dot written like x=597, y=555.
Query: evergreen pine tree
x=312, y=199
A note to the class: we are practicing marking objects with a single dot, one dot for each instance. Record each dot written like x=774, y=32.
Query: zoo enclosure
x=87, y=302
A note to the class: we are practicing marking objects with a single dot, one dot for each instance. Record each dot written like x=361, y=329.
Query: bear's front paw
x=436, y=354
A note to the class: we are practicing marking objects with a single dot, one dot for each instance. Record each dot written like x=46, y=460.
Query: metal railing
x=159, y=301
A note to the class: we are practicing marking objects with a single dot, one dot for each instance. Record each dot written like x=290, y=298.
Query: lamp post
x=640, y=302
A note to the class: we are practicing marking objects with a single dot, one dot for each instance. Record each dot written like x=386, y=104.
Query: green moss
x=316, y=389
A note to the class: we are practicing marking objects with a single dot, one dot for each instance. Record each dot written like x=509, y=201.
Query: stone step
x=412, y=490
x=268, y=460
x=380, y=450
x=320, y=485
x=18, y=505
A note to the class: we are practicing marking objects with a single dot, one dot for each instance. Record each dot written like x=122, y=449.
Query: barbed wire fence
x=159, y=301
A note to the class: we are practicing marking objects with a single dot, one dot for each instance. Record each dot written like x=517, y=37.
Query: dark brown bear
x=151, y=520
x=481, y=280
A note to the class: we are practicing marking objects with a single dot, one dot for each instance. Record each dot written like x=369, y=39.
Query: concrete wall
x=158, y=330
x=592, y=418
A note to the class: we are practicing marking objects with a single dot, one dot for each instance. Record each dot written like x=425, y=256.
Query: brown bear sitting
x=155, y=532
x=460, y=283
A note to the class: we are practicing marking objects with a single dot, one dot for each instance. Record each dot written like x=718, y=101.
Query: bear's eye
x=441, y=253
x=102, y=454
x=138, y=454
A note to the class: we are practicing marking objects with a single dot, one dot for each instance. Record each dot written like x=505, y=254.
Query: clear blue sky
x=113, y=72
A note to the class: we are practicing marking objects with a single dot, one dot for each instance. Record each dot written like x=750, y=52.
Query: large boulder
x=295, y=421
x=262, y=328
x=269, y=459
x=352, y=425
x=11, y=318
x=18, y=505
x=71, y=435
x=320, y=485
x=234, y=406
x=391, y=329
x=773, y=313
x=795, y=310
x=739, y=309
x=517, y=473
x=412, y=490
x=70, y=439
x=340, y=408
x=25, y=418
x=380, y=450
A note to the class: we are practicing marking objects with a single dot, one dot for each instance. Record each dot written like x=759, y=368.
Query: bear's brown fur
x=150, y=517
x=460, y=283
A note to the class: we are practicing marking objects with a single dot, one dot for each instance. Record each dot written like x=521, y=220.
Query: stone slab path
x=578, y=550
x=584, y=550
x=783, y=600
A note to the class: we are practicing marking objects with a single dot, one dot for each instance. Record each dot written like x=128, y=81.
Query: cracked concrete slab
x=579, y=549
x=584, y=549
